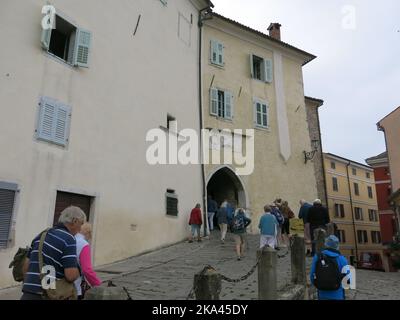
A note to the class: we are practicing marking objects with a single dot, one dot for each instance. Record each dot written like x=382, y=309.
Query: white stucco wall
x=131, y=85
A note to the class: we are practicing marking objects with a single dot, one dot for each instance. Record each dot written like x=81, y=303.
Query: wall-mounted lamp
x=310, y=155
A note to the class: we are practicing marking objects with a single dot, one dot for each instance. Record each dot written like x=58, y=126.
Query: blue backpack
x=279, y=217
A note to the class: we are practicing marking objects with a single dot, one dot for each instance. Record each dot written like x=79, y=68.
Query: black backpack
x=328, y=277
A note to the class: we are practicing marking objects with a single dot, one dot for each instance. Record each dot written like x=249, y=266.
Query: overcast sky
x=357, y=72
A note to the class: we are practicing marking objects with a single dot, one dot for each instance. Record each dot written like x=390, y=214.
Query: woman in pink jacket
x=84, y=259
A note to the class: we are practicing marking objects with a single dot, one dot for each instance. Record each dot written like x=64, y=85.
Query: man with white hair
x=318, y=218
x=58, y=251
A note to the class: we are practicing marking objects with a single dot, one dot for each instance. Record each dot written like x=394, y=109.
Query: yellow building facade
x=254, y=81
x=352, y=205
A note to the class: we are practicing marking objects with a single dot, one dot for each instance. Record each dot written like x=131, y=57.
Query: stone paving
x=167, y=274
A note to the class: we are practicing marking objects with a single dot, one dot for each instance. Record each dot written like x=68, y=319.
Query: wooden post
x=298, y=260
x=267, y=274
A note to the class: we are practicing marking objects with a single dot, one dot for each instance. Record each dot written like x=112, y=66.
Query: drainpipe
x=352, y=211
x=203, y=172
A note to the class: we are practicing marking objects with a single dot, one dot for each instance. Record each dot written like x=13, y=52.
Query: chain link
x=245, y=277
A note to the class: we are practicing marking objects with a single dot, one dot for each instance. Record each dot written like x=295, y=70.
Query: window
x=68, y=43
x=164, y=2
x=7, y=199
x=54, y=121
x=217, y=53
x=376, y=237
x=368, y=175
x=373, y=215
x=339, y=210
x=333, y=165
x=335, y=184
x=171, y=202
x=221, y=104
x=362, y=236
x=387, y=172
x=354, y=171
x=342, y=236
x=370, y=195
x=358, y=213
x=356, y=190
x=261, y=69
x=261, y=118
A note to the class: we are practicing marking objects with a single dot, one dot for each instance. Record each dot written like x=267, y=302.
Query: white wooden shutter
x=82, y=48
x=47, y=115
x=268, y=70
x=214, y=102
x=220, y=48
x=251, y=66
x=45, y=38
x=62, y=120
x=228, y=105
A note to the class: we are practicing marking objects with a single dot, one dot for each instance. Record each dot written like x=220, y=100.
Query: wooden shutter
x=62, y=124
x=45, y=38
x=214, y=102
x=82, y=48
x=171, y=204
x=251, y=66
x=7, y=199
x=268, y=70
x=228, y=97
x=47, y=117
x=220, y=48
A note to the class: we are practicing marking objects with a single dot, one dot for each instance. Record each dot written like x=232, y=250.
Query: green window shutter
x=47, y=117
x=82, y=48
x=268, y=70
x=220, y=48
x=228, y=105
x=7, y=199
x=214, y=102
x=251, y=66
x=63, y=116
x=45, y=38
x=214, y=51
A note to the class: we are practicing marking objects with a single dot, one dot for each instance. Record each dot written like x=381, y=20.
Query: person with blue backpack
x=326, y=271
x=239, y=224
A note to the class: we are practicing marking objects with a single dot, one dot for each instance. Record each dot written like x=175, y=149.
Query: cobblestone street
x=167, y=274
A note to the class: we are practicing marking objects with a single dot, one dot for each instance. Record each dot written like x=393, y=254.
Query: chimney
x=275, y=30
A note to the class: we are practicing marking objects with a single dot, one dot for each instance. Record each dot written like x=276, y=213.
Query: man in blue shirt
x=303, y=214
x=59, y=251
x=212, y=208
x=268, y=228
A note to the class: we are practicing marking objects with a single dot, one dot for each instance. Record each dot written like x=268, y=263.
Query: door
x=65, y=199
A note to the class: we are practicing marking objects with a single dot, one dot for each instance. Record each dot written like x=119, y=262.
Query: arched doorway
x=224, y=184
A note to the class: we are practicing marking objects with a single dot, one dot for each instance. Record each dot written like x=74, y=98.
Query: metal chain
x=245, y=277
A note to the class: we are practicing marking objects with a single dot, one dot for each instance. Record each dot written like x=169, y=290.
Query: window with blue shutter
x=7, y=201
x=217, y=53
x=54, y=121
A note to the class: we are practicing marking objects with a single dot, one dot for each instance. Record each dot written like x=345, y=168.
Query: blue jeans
x=195, y=228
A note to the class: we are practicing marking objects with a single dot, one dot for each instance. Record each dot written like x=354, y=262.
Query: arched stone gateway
x=223, y=183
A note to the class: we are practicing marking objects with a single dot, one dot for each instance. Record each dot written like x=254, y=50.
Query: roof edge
x=259, y=33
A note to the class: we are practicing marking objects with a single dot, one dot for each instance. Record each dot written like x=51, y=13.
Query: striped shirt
x=59, y=251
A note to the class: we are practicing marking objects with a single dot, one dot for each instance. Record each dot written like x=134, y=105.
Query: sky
x=357, y=70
